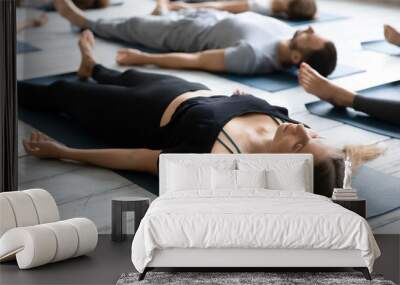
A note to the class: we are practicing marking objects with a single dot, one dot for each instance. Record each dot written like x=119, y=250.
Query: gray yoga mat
x=381, y=46
x=69, y=132
x=381, y=191
x=359, y=119
x=24, y=47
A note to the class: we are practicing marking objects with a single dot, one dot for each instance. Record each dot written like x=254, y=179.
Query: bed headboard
x=284, y=163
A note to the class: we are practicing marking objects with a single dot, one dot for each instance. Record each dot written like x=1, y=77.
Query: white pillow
x=251, y=179
x=227, y=180
x=282, y=174
x=223, y=179
x=292, y=179
x=186, y=178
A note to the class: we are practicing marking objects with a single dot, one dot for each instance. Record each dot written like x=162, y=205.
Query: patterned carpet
x=243, y=278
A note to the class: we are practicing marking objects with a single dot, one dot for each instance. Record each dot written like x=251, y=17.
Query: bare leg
x=316, y=84
x=161, y=7
x=86, y=45
x=71, y=12
x=391, y=35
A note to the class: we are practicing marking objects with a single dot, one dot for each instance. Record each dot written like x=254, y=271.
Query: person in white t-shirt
x=290, y=9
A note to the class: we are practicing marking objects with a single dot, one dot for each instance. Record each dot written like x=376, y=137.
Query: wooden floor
x=87, y=191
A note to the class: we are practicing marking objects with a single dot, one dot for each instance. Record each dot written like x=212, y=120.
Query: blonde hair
x=359, y=154
x=329, y=172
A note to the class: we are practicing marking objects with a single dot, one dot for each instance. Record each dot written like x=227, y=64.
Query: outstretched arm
x=32, y=23
x=144, y=160
x=237, y=6
x=210, y=60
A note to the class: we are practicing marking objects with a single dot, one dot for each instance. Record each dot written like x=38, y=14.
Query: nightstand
x=358, y=206
x=120, y=206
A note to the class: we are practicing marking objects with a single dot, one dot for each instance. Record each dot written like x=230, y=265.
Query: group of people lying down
x=144, y=114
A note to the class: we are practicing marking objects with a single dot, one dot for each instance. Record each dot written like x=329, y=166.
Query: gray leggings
x=383, y=109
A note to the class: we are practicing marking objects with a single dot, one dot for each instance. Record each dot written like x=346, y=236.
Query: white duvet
x=251, y=219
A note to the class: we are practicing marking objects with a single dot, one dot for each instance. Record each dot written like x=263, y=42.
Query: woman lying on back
x=145, y=114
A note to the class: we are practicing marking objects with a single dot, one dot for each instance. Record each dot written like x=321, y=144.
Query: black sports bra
x=197, y=122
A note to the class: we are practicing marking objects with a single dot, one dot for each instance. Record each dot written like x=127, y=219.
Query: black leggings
x=123, y=108
x=383, y=109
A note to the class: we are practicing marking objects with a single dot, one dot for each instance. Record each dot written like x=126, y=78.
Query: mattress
x=252, y=219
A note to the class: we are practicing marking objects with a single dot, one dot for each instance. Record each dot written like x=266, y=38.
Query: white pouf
x=31, y=233
x=37, y=245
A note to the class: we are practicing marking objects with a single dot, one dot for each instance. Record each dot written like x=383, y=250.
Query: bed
x=245, y=211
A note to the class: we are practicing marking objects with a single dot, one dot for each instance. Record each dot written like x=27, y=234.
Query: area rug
x=244, y=278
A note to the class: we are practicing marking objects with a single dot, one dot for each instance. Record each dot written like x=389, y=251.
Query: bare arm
x=237, y=6
x=32, y=23
x=210, y=60
x=144, y=160
x=125, y=159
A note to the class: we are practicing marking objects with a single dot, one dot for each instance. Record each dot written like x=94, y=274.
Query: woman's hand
x=42, y=146
x=130, y=57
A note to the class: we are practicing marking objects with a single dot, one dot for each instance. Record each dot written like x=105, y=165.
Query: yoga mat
x=280, y=80
x=23, y=47
x=70, y=133
x=359, y=119
x=381, y=46
x=321, y=17
x=50, y=7
x=381, y=191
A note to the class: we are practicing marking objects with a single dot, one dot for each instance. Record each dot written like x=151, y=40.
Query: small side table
x=120, y=205
x=358, y=206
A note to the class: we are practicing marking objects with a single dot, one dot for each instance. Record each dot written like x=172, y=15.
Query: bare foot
x=391, y=35
x=40, y=21
x=131, y=57
x=162, y=7
x=73, y=14
x=316, y=84
x=86, y=45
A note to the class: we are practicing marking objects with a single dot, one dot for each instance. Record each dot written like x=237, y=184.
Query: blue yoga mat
x=50, y=7
x=23, y=47
x=381, y=46
x=279, y=81
x=321, y=17
x=381, y=191
x=69, y=132
x=359, y=119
